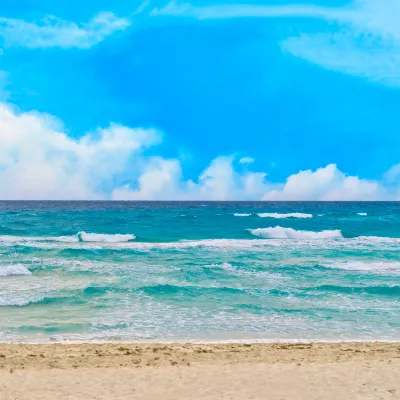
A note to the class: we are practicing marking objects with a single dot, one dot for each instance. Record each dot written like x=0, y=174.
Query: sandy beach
x=213, y=371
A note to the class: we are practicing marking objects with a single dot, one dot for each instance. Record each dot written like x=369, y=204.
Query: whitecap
x=17, y=269
x=80, y=237
x=66, y=239
x=225, y=266
x=104, y=238
x=14, y=302
x=279, y=232
x=378, y=239
x=362, y=214
x=241, y=215
x=23, y=239
x=287, y=215
x=268, y=237
x=372, y=266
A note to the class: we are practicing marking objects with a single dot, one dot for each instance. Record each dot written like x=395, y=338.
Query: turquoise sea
x=170, y=271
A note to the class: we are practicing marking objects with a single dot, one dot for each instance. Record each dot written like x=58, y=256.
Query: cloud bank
x=39, y=161
x=54, y=32
x=328, y=183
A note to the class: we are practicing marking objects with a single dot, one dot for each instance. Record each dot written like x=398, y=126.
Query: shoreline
x=201, y=342
x=200, y=371
x=66, y=355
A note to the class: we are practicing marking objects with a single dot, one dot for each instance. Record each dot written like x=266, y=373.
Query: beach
x=200, y=371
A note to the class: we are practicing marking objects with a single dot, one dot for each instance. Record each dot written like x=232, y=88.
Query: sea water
x=171, y=271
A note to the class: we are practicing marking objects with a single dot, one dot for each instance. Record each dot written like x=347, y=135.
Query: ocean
x=199, y=271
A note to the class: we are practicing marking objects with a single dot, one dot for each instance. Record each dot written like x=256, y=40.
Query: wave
x=79, y=237
x=267, y=238
x=224, y=266
x=15, y=302
x=190, y=291
x=279, y=232
x=241, y=215
x=233, y=270
x=362, y=214
x=364, y=266
x=17, y=269
x=287, y=215
x=378, y=239
x=382, y=290
x=23, y=302
x=103, y=238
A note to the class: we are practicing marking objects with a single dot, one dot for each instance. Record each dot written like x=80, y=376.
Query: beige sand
x=262, y=371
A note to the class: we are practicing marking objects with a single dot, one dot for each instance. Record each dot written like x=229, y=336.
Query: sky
x=200, y=100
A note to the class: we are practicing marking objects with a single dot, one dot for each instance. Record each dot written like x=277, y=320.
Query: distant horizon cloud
x=38, y=161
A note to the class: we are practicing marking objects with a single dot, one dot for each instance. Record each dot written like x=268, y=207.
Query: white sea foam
x=225, y=266
x=103, y=238
x=365, y=266
x=231, y=269
x=269, y=237
x=378, y=239
x=23, y=239
x=14, y=302
x=220, y=244
x=66, y=239
x=80, y=237
x=17, y=269
x=362, y=214
x=241, y=215
x=287, y=215
x=279, y=232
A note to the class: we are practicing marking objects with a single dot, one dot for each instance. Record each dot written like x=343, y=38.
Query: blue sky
x=215, y=100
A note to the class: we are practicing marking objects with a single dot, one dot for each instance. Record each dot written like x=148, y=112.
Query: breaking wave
x=9, y=270
x=265, y=238
x=79, y=237
x=287, y=215
x=279, y=232
x=103, y=238
x=365, y=266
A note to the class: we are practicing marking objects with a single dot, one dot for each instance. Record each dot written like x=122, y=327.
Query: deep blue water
x=170, y=271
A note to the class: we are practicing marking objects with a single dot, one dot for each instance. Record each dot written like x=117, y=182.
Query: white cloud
x=163, y=179
x=393, y=174
x=40, y=161
x=54, y=32
x=222, y=11
x=246, y=160
x=364, y=40
x=366, y=43
x=221, y=181
x=3, y=85
x=328, y=183
x=160, y=179
x=343, y=52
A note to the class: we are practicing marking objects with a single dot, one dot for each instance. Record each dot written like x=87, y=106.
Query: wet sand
x=214, y=371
